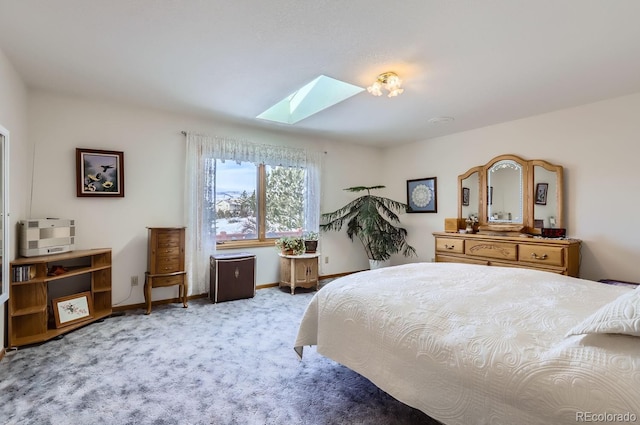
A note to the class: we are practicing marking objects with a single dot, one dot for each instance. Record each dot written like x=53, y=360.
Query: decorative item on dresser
x=232, y=276
x=299, y=271
x=166, y=264
x=81, y=280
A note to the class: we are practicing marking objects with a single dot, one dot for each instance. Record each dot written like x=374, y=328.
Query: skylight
x=310, y=99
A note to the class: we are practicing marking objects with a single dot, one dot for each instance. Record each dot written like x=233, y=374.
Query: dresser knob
x=542, y=257
x=449, y=246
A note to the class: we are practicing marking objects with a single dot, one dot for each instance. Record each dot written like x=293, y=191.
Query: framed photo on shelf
x=541, y=193
x=422, y=195
x=99, y=173
x=72, y=309
x=465, y=196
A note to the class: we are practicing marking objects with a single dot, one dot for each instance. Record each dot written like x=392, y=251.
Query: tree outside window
x=258, y=202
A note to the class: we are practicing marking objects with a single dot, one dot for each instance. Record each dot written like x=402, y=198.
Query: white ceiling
x=479, y=61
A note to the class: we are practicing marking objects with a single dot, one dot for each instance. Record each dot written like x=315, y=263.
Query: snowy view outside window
x=237, y=201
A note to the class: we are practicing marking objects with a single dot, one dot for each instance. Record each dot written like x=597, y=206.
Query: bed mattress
x=473, y=344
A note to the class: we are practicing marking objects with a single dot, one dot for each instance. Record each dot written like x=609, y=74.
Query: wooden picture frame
x=541, y=193
x=422, y=195
x=465, y=196
x=99, y=173
x=72, y=309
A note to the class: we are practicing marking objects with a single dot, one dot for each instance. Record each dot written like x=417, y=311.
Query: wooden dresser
x=165, y=262
x=553, y=255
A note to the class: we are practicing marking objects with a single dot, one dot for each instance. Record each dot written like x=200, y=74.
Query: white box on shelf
x=46, y=236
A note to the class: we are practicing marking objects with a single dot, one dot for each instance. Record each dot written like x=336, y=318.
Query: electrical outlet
x=134, y=280
x=326, y=260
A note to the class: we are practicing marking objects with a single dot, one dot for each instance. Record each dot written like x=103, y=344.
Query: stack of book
x=21, y=273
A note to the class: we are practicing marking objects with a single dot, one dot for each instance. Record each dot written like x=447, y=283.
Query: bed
x=471, y=344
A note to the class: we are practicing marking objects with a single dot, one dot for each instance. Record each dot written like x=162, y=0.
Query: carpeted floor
x=227, y=363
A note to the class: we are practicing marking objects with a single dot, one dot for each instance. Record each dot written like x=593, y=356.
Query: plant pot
x=310, y=246
x=375, y=264
x=287, y=252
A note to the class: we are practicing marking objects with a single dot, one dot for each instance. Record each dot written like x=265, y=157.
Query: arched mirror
x=505, y=183
x=4, y=213
x=469, y=193
x=546, y=203
x=515, y=195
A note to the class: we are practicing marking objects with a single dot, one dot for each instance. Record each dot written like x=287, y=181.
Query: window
x=277, y=198
x=257, y=202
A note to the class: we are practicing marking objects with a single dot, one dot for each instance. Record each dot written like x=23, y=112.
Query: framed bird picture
x=99, y=173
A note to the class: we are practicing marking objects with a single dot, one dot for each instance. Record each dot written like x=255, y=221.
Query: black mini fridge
x=233, y=276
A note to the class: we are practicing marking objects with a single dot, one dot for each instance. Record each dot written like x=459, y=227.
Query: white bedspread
x=479, y=345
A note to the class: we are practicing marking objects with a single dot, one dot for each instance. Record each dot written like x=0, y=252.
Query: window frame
x=261, y=199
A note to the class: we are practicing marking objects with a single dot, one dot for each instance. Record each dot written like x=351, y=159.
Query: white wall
x=154, y=160
x=596, y=143
x=13, y=116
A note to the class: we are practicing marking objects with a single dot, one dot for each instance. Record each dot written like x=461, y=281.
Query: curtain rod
x=184, y=133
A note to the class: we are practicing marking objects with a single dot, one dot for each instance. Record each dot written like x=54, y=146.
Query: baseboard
x=337, y=275
x=267, y=285
x=2, y=353
x=327, y=276
x=193, y=297
x=158, y=302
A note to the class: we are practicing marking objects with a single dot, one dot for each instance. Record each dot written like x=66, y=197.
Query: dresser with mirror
x=509, y=203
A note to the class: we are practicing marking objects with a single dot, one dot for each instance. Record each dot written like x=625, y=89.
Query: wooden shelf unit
x=30, y=318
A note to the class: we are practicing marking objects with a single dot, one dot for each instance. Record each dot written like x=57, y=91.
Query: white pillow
x=620, y=316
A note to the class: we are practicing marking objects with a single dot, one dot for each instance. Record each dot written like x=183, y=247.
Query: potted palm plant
x=373, y=220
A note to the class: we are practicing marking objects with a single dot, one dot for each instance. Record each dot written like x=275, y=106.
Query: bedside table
x=299, y=271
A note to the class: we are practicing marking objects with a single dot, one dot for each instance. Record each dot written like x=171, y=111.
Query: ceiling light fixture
x=389, y=81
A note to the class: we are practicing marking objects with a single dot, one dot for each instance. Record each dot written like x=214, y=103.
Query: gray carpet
x=227, y=363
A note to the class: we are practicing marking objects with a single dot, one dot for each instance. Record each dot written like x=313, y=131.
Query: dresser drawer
x=488, y=249
x=167, y=265
x=450, y=245
x=550, y=255
x=168, y=239
x=168, y=280
x=168, y=252
x=463, y=260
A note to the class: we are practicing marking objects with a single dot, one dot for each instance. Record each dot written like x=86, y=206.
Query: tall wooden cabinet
x=33, y=288
x=165, y=262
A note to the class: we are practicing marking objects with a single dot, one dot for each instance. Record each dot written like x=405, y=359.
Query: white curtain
x=202, y=151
